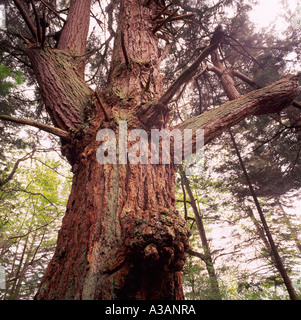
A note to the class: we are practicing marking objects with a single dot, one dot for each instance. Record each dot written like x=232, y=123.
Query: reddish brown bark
x=74, y=34
x=267, y=100
x=65, y=93
x=121, y=237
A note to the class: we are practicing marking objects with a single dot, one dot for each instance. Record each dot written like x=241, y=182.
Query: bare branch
x=162, y=11
x=187, y=75
x=39, y=30
x=246, y=79
x=56, y=131
x=216, y=70
x=246, y=54
x=164, y=21
x=10, y=176
x=53, y=11
x=196, y=254
x=26, y=18
x=183, y=17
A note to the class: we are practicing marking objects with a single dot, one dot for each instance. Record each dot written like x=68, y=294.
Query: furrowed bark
x=65, y=93
x=74, y=34
x=121, y=237
x=136, y=56
x=60, y=71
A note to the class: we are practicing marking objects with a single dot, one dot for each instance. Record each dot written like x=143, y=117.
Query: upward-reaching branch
x=271, y=99
x=27, y=19
x=75, y=32
x=153, y=110
x=187, y=74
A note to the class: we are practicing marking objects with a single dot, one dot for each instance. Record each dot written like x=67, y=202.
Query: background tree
x=32, y=205
x=274, y=69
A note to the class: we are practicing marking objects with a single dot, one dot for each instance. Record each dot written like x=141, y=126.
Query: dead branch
x=39, y=31
x=53, y=11
x=183, y=17
x=188, y=74
x=56, y=131
x=26, y=18
x=247, y=54
x=164, y=22
x=162, y=11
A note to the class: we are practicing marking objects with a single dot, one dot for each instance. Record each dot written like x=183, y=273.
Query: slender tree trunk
x=277, y=258
x=261, y=234
x=232, y=93
x=206, y=257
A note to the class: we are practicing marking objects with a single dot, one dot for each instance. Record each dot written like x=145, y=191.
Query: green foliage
x=9, y=80
x=31, y=207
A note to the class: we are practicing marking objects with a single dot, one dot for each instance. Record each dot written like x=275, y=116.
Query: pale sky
x=268, y=11
x=265, y=12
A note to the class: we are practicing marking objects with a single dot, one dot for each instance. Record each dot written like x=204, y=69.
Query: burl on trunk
x=121, y=237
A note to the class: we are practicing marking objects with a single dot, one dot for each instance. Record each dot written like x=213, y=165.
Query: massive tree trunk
x=121, y=237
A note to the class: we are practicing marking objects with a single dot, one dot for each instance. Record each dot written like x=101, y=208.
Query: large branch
x=56, y=131
x=271, y=99
x=156, y=109
x=74, y=34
